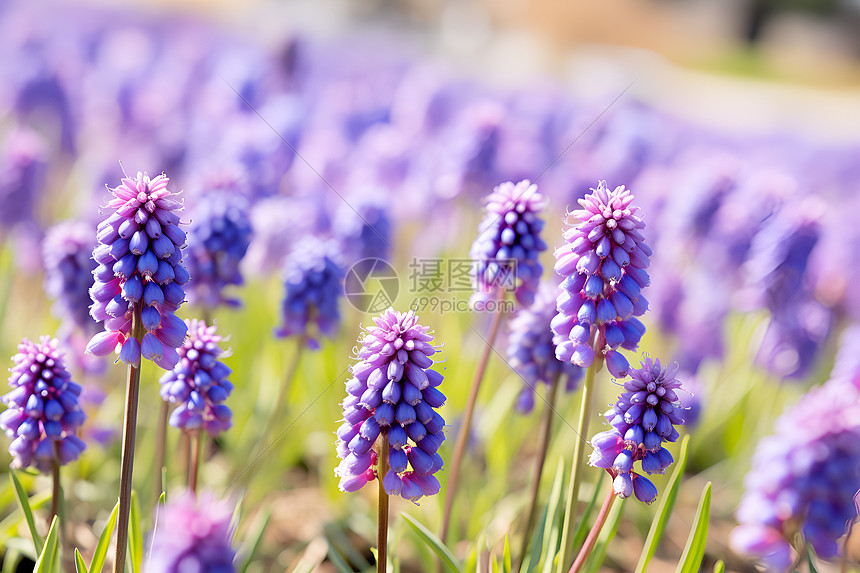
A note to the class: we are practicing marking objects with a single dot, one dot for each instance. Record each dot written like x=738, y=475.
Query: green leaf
x=810, y=553
x=554, y=516
x=135, y=535
x=506, y=556
x=10, y=560
x=104, y=542
x=719, y=567
x=48, y=557
x=444, y=554
x=607, y=534
x=80, y=565
x=584, y=522
x=664, y=508
x=24, y=504
x=255, y=538
x=694, y=551
x=337, y=560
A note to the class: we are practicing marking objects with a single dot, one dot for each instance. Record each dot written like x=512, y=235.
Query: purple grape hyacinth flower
x=642, y=419
x=139, y=260
x=313, y=281
x=603, y=263
x=509, y=244
x=364, y=230
x=198, y=383
x=67, y=253
x=43, y=413
x=218, y=239
x=23, y=171
x=193, y=535
x=393, y=389
x=803, y=478
x=531, y=352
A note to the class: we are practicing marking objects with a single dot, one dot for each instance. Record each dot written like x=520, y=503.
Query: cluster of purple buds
x=43, y=415
x=198, y=383
x=603, y=263
x=193, y=535
x=67, y=253
x=313, y=280
x=364, y=230
x=140, y=269
x=642, y=419
x=505, y=253
x=218, y=239
x=531, y=352
x=804, y=478
x=393, y=390
x=23, y=171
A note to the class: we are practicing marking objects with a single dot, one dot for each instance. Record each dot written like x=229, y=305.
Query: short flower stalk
x=198, y=386
x=391, y=431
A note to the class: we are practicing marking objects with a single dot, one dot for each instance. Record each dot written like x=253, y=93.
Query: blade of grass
x=810, y=553
x=664, y=508
x=10, y=560
x=506, y=556
x=554, y=516
x=719, y=567
x=694, y=551
x=47, y=559
x=100, y=553
x=337, y=560
x=135, y=537
x=80, y=564
x=444, y=554
x=24, y=505
x=582, y=527
x=535, y=545
x=255, y=538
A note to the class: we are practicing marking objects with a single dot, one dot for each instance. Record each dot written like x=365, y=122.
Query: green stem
x=284, y=391
x=463, y=435
x=588, y=546
x=577, y=465
x=382, y=529
x=543, y=447
x=128, y=437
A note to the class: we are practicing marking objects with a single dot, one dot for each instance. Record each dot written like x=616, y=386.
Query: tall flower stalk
x=504, y=257
x=531, y=353
x=137, y=289
x=391, y=430
x=603, y=262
